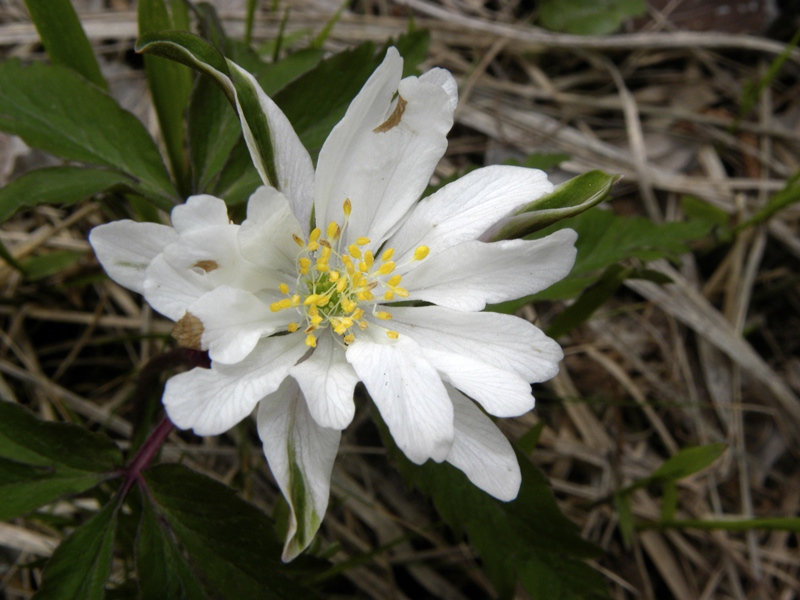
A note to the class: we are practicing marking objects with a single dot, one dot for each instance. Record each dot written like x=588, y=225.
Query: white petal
x=383, y=172
x=293, y=165
x=233, y=322
x=126, y=249
x=327, y=381
x=472, y=274
x=211, y=401
x=407, y=391
x=265, y=237
x=300, y=454
x=503, y=341
x=482, y=452
x=444, y=80
x=171, y=291
x=198, y=213
x=462, y=210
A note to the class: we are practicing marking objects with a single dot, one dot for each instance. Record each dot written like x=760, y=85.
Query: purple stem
x=151, y=446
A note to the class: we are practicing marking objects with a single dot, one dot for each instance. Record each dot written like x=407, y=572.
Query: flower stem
x=151, y=446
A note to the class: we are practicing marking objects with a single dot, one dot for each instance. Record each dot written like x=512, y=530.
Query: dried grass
x=710, y=358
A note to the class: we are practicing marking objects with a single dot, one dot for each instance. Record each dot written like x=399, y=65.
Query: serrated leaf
x=79, y=567
x=64, y=39
x=161, y=569
x=229, y=540
x=170, y=83
x=42, y=461
x=588, y=17
x=59, y=185
x=56, y=110
x=566, y=200
x=506, y=534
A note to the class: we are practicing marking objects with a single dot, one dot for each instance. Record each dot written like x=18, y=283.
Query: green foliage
x=64, y=39
x=41, y=461
x=566, y=200
x=588, y=17
x=79, y=567
x=56, y=110
x=59, y=185
x=50, y=263
x=527, y=539
x=170, y=83
x=230, y=541
x=789, y=195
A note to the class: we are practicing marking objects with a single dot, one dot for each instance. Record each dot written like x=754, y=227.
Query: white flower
x=294, y=313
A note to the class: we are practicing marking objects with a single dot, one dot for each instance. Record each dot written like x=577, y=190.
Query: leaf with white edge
x=64, y=39
x=566, y=200
x=161, y=569
x=55, y=109
x=60, y=185
x=79, y=568
x=230, y=541
x=42, y=461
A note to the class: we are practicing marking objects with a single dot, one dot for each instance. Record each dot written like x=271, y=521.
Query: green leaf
x=548, y=578
x=170, y=83
x=789, y=195
x=588, y=17
x=59, y=185
x=162, y=570
x=53, y=108
x=64, y=39
x=50, y=263
x=41, y=461
x=229, y=540
x=567, y=200
x=80, y=566
x=238, y=178
x=688, y=462
x=589, y=301
x=622, y=502
x=507, y=535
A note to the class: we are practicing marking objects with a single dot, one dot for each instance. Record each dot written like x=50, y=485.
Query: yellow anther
x=386, y=268
x=311, y=341
x=362, y=241
x=387, y=255
x=365, y=296
x=372, y=285
x=298, y=240
x=314, y=235
x=304, y=264
x=383, y=315
x=295, y=300
x=348, y=305
x=341, y=284
x=394, y=280
x=349, y=338
x=322, y=267
x=363, y=324
x=393, y=335
x=312, y=246
x=315, y=321
x=347, y=322
x=421, y=252
x=402, y=292
x=292, y=327
x=333, y=230
x=311, y=299
x=280, y=305
x=283, y=288
x=334, y=276
x=369, y=258
x=312, y=311
x=348, y=265
x=347, y=207
x=363, y=267
x=357, y=314
x=354, y=251
x=388, y=296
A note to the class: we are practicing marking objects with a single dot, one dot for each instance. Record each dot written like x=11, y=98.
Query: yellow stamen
x=362, y=241
x=280, y=305
x=421, y=252
x=363, y=324
x=311, y=341
x=402, y=292
x=363, y=267
x=334, y=276
x=333, y=230
x=349, y=338
x=387, y=255
x=369, y=258
x=314, y=235
x=298, y=240
x=357, y=314
x=348, y=305
x=386, y=268
x=341, y=284
x=388, y=296
x=354, y=251
x=304, y=264
x=292, y=327
x=394, y=280
x=392, y=335
x=284, y=288
x=347, y=207
x=383, y=315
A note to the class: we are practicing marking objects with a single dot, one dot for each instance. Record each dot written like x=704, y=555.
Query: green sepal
x=566, y=200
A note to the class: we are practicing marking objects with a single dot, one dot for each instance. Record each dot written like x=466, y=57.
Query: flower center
x=335, y=285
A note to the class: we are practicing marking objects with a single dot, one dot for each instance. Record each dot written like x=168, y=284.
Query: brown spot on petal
x=394, y=118
x=207, y=265
x=188, y=331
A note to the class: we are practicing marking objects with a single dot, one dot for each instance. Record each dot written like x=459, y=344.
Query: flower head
x=378, y=287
